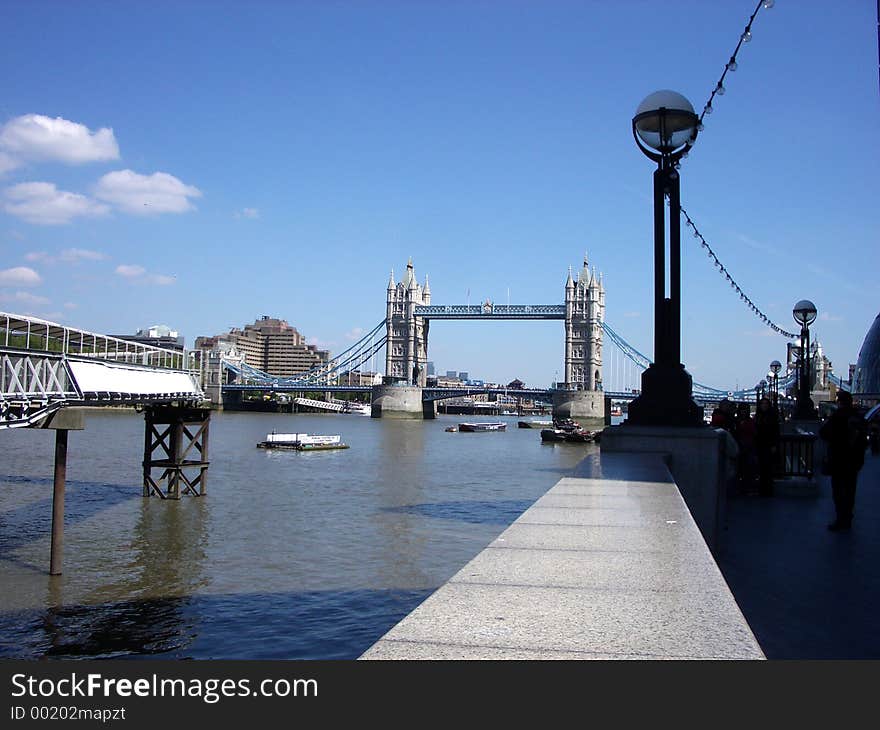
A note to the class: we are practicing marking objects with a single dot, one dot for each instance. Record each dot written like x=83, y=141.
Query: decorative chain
x=736, y=287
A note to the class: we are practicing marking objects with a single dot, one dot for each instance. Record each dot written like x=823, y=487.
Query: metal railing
x=795, y=456
x=32, y=335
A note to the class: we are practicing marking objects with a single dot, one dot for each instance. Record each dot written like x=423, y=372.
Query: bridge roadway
x=433, y=394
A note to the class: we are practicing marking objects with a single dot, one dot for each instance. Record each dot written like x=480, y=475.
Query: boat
x=451, y=429
x=301, y=442
x=359, y=409
x=567, y=430
x=483, y=426
x=535, y=424
x=566, y=424
x=552, y=435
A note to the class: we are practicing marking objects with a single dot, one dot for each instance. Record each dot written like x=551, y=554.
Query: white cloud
x=80, y=254
x=24, y=298
x=70, y=305
x=320, y=344
x=19, y=276
x=146, y=194
x=252, y=213
x=130, y=271
x=138, y=274
x=827, y=317
x=7, y=162
x=632, y=315
x=68, y=255
x=354, y=334
x=161, y=279
x=43, y=204
x=33, y=137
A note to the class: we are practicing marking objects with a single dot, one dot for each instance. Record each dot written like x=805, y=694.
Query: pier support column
x=180, y=434
x=56, y=552
x=587, y=407
x=67, y=419
x=398, y=401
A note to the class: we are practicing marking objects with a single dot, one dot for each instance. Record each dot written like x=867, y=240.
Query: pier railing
x=796, y=455
x=34, y=335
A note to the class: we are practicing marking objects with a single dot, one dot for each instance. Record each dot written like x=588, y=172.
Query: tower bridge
x=408, y=315
x=591, y=372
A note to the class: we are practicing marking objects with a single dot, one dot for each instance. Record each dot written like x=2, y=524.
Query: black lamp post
x=775, y=367
x=804, y=313
x=665, y=127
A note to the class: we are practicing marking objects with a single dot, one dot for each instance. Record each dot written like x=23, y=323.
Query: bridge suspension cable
x=642, y=361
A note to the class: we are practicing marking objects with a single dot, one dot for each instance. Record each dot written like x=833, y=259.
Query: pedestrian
x=847, y=436
x=766, y=445
x=723, y=416
x=747, y=458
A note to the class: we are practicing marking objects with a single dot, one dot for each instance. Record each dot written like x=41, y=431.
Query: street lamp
x=804, y=314
x=775, y=367
x=665, y=127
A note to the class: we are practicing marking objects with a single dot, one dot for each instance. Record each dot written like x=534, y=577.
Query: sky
x=201, y=164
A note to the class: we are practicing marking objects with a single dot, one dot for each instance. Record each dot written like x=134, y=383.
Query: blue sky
x=201, y=164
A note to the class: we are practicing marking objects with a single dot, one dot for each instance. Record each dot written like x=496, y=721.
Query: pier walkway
x=608, y=564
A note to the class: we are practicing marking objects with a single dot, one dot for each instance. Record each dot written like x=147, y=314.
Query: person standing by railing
x=747, y=459
x=847, y=436
x=766, y=444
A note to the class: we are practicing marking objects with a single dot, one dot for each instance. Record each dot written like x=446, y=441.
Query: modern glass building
x=866, y=379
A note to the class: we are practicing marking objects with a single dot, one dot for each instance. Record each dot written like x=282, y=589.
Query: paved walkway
x=808, y=593
x=608, y=564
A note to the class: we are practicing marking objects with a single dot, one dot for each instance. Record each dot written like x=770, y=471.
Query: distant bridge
x=623, y=367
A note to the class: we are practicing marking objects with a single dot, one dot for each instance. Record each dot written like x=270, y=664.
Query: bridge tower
x=580, y=397
x=584, y=315
x=406, y=352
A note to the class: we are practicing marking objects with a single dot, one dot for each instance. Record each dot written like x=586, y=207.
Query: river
x=290, y=555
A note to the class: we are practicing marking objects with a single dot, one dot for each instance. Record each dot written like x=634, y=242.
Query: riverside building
x=271, y=345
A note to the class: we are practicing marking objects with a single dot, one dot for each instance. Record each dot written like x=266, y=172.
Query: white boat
x=301, y=442
x=359, y=409
x=482, y=426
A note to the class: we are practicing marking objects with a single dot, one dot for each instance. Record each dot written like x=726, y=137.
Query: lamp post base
x=665, y=399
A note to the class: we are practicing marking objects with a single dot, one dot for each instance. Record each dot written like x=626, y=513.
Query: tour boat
x=301, y=442
x=482, y=426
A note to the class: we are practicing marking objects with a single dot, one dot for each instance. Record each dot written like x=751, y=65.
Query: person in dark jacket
x=766, y=444
x=846, y=434
x=747, y=459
